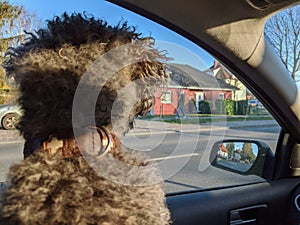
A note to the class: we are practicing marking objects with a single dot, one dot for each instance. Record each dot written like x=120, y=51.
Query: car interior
x=267, y=189
x=233, y=32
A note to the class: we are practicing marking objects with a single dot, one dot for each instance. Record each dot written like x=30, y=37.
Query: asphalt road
x=183, y=158
x=10, y=153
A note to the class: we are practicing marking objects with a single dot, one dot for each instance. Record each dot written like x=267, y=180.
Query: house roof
x=220, y=71
x=223, y=148
x=187, y=76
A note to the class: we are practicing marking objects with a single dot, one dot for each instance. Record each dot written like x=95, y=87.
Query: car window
x=283, y=32
x=201, y=104
x=180, y=132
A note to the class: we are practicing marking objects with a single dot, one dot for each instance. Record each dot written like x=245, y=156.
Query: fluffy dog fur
x=51, y=190
x=49, y=66
x=46, y=189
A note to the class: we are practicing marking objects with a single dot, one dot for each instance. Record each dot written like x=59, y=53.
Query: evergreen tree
x=230, y=149
x=247, y=153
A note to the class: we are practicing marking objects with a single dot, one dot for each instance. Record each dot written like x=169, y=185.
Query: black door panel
x=294, y=210
x=249, y=215
x=214, y=206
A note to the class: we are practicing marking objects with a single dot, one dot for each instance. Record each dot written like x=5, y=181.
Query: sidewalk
x=146, y=126
x=7, y=136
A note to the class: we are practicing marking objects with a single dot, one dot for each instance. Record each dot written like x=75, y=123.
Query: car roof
x=225, y=21
x=233, y=32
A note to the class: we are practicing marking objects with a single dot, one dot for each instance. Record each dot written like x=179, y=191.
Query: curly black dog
x=62, y=184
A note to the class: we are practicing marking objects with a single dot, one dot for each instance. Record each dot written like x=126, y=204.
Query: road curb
x=176, y=131
x=192, y=130
x=10, y=136
x=255, y=125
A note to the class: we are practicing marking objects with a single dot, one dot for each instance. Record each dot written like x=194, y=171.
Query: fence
x=230, y=107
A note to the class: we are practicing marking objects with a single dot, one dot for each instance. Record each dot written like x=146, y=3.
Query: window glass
x=201, y=104
x=283, y=32
x=166, y=98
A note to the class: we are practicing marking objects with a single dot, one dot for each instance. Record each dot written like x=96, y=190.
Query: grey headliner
x=226, y=21
x=233, y=32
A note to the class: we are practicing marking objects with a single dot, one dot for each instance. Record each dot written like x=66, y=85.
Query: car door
x=220, y=60
x=272, y=197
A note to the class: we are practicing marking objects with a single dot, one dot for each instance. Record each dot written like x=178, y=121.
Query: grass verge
x=199, y=119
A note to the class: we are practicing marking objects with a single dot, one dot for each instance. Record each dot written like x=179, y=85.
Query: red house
x=195, y=85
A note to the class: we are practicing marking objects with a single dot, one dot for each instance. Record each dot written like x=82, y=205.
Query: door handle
x=254, y=215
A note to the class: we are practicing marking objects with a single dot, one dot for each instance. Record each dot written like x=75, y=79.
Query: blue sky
x=179, y=48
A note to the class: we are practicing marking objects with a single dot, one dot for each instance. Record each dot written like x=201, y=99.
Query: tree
x=230, y=149
x=8, y=15
x=283, y=32
x=14, y=19
x=247, y=153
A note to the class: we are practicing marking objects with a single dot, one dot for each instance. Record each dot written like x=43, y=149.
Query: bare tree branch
x=283, y=31
x=14, y=19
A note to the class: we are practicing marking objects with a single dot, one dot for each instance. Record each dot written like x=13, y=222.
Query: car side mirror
x=243, y=157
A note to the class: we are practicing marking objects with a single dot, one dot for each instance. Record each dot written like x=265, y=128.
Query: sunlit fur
x=46, y=189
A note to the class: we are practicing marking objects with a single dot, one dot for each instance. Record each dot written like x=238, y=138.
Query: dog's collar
x=69, y=146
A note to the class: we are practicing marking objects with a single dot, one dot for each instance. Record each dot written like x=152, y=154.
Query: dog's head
x=117, y=64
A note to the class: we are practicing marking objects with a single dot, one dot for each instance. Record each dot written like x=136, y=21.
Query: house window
x=166, y=97
x=221, y=96
x=199, y=97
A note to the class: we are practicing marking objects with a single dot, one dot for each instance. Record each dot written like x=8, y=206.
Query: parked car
x=9, y=116
x=255, y=103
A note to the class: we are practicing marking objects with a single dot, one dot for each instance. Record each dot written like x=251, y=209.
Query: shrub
x=192, y=106
x=220, y=107
x=204, y=107
x=241, y=107
x=229, y=105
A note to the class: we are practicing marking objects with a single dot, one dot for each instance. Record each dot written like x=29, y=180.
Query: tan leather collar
x=108, y=142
